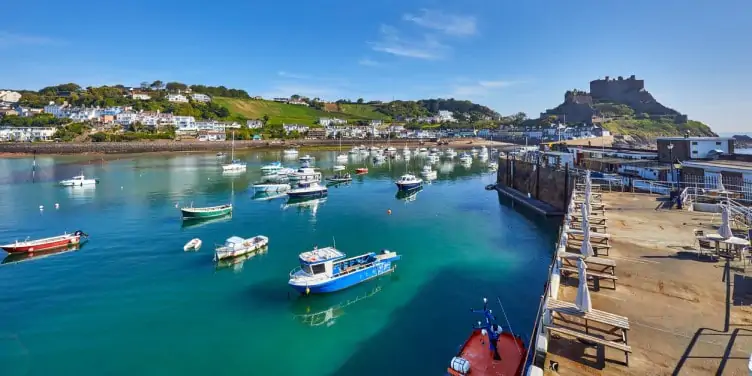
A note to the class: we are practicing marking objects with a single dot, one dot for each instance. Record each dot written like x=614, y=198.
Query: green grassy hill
x=280, y=113
x=648, y=129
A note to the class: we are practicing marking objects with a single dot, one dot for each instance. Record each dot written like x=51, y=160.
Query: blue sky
x=511, y=56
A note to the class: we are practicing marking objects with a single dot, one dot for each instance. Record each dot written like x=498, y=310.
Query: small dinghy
x=192, y=245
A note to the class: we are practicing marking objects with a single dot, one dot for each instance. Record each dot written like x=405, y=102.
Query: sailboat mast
x=232, y=151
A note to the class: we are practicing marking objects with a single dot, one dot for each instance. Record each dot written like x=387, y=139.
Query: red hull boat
x=30, y=246
x=362, y=170
x=489, y=351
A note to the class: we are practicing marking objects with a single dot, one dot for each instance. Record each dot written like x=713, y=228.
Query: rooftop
x=695, y=138
x=724, y=164
x=684, y=318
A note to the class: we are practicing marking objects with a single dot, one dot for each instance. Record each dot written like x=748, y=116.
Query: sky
x=695, y=56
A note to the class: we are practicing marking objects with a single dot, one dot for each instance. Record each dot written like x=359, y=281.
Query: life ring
x=314, y=258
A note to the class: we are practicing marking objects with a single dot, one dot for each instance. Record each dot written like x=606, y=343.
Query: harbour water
x=130, y=301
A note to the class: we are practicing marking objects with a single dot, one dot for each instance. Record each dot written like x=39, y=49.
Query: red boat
x=361, y=170
x=31, y=246
x=489, y=351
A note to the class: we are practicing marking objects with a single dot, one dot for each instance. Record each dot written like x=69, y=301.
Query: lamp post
x=671, y=158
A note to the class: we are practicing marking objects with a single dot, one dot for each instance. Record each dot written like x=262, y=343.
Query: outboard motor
x=81, y=233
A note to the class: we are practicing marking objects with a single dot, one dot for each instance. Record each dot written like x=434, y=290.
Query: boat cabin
x=331, y=262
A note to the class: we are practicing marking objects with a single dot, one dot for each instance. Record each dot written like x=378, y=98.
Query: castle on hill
x=591, y=107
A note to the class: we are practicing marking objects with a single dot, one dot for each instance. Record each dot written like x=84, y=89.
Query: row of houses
x=24, y=134
x=441, y=117
x=175, y=98
x=555, y=132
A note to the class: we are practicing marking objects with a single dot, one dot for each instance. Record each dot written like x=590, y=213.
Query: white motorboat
x=391, y=150
x=423, y=150
x=192, y=245
x=290, y=152
x=306, y=158
x=78, y=181
x=237, y=246
x=428, y=172
x=341, y=157
x=450, y=153
x=305, y=174
x=379, y=158
x=234, y=165
x=433, y=158
x=406, y=151
x=493, y=166
x=354, y=150
x=308, y=189
x=338, y=168
x=434, y=150
x=269, y=186
x=271, y=168
x=474, y=151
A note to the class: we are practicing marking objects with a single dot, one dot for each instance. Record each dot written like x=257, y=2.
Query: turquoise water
x=130, y=301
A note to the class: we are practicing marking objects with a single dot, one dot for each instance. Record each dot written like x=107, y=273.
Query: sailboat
x=341, y=157
x=197, y=213
x=235, y=164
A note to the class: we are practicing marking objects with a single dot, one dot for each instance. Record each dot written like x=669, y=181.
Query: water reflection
x=328, y=316
x=236, y=263
x=408, y=196
x=303, y=205
x=267, y=196
x=15, y=258
x=198, y=222
x=81, y=191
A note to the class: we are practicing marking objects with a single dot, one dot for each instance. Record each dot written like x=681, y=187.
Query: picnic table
x=597, y=244
x=578, y=234
x=593, y=205
x=618, y=323
x=594, y=264
x=733, y=244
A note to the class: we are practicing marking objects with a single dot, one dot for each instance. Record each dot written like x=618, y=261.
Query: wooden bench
x=576, y=245
x=603, y=317
x=590, y=273
x=573, y=232
x=593, y=205
x=569, y=259
x=587, y=337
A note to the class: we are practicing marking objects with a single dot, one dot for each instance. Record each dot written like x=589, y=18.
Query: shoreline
x=21, y=149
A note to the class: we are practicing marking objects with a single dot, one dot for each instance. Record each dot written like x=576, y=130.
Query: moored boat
x=205, y=212
x=236, y=246
x=54, y=242
x=493, y=166
x=408, y=182
x=489, y=350
x=290, y=152
x=428, y=172
x=338, y=168
x=235, y=165
x=306, y=158
x=192, y=245
x=324, y=270
x=305, y=174
x=269, y=186
x=308, y=189
x=466, y=158
x=340, y=177
x=78, y=181
x=271, y=168
x=361, y=170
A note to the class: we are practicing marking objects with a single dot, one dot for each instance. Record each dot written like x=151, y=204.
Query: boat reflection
x=302, y=205
x=15, y=258
x=329, y=315
x=198, y=222
x=236, y=263
x=86, y=191
x=267, y=196
x=408, y=196
x=337, y=184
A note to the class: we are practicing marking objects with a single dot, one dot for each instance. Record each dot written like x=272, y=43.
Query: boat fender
x=389, y=211
x=483, y=332
x=307, y=290
x=460, y=365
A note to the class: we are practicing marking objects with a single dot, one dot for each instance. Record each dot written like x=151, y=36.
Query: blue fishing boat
x=324, y=270
x=408, y=182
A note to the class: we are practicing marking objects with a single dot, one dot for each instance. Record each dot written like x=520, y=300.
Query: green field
x=280, y=113
x=365, y=111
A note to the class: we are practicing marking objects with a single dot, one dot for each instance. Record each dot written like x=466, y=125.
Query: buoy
x=121, y=187
x=41, y=207
x=307, y=290
x=389, y=211
x=57, y=206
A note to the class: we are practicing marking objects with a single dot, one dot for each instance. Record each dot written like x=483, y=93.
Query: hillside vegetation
x=283, y=113
x=649, y=128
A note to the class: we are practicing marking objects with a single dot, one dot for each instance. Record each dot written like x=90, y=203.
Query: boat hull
x=271, y=187
x=352, y=279
x=308, y=194
x=53, y=244
x=222, y=254
x=408, y=186
x=189, y=214
x=83, y=183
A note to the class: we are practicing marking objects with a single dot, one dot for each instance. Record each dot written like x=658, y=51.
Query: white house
x=126, y=118
x=178, y=98
x=254, y=124
x=331, y=121
x=26, y=133
x=84, y=114
x=183, y=122
x=376, y=123
x=58, y=111
x=445, y=116
x=218, y=126
x=201, y=97
x=141, y=96
x=9, y=96
x=289, y=128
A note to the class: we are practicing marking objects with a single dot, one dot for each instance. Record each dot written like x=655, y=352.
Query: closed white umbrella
x=582, y=301
x=720, y=183
x=725, y=229
x=586, y=249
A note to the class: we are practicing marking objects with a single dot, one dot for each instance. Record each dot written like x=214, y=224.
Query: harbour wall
x=549, y=185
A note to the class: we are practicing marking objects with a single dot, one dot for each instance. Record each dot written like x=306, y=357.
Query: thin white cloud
x=8, y=39
x=391, y=42
x=479, y=89
x=293, y=75
x=450, y=24
x=496, y=83
x=368, y=62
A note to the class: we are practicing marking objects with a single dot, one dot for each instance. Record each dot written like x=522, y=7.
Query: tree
x=176, y=86
x=265, y=119
x=144, y=85
x=295, y=97
x=157, y=85
x=360, y=100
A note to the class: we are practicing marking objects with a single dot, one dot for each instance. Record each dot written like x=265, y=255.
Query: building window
x=694, y=151
x=694, y=142
x=718, y=143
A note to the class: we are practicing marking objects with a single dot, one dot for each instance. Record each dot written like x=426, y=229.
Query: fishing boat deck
x=477, y=352
x=321, y=254
x=685, y=318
